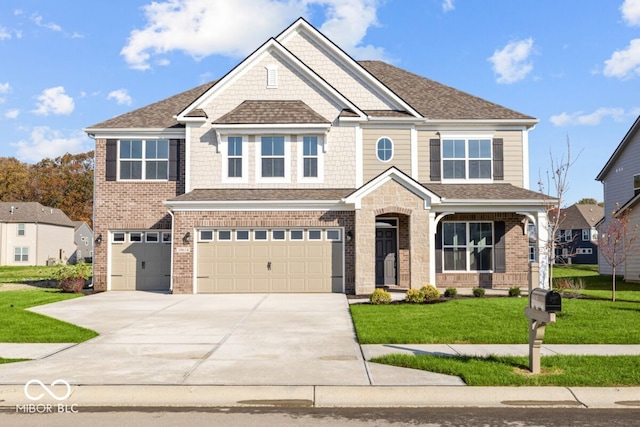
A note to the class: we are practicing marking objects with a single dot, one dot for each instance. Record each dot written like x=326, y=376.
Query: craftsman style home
x=303, y=170
x=620, y=177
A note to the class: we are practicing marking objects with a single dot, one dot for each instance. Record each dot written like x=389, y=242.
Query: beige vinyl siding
x=401, y=158
x=513, y=157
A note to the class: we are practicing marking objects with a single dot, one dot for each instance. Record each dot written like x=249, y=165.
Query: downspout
x=171, y=258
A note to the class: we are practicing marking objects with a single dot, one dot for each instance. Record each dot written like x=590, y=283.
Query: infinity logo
x=47, y=389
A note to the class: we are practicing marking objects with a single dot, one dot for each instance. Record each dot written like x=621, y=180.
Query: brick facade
x=127, y=206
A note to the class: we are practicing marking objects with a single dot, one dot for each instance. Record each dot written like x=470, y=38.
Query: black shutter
x=174, y=160
x=498, y=159
x=112, y=160
x=439, y=248
x=499, y=248
x=434, y=145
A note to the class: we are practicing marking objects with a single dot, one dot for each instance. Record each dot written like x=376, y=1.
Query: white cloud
x=631, y=12
x=37, y=19
x=54, y=101
x=5, y=87
x=4, y=34
x=196, y=28
x=12, y=114
x=121, y=96
x=624, y=64
x=511, y=62
x=447, y=6
x=45, y=142
x=589, y=119
x=17, y=12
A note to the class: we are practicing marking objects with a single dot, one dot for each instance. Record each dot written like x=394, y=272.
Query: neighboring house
x=303, y=170
x=32, y=234
x=577, y=238
x=621, y=179
x=83, y=238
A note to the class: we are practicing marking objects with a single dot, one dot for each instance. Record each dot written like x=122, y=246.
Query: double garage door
x=269, y=260
x=140, y=260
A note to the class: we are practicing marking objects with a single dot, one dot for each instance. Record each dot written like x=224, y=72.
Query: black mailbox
x=545, y=300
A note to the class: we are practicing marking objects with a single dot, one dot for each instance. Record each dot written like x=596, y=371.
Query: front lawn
x=560, y=371
x=12, y=274
x=596, y=285
x=495, y=321
x=23, y=326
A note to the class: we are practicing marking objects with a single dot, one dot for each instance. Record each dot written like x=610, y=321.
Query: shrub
x=514, y=291
x=430, y=293
x=380, y=296
x=478, y=292
x=451, y=293
x=568, y=284
x=415, y=296
x=71, y=277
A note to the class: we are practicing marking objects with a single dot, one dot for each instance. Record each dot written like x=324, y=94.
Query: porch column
x=365, y=244
x=420, y=246
x=543, y=250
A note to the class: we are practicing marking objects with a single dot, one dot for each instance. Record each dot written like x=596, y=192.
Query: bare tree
x=617, y=242
x=557, y=182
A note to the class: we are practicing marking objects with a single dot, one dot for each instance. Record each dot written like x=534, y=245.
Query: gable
x=628, y=151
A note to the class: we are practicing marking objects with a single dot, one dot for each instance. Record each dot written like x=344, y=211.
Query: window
x=584, y=251
x=296, y=235
x=315, y=235
x=260, y=235
x=166, y=237
x=135, y=237
x=224, y=235
x=234, y=157
x=384, y=149
x=532, y=253
x=277, y=235
x=636, y=184
x=466, y=158
x=21, y=254
x=567, y=235
x=144, y=158
x=20, y=229
x=272, y=157
x=206, y=235
x=310, y=156
x=152, y=237
x=118, y=237
x=467, y=246
x=333, y=235
x=586, y=235
x=242, y=234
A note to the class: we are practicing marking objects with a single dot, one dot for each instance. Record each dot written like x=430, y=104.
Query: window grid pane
x=384, y=149
x=272, y=150
x=466, y=159
x=467, y=246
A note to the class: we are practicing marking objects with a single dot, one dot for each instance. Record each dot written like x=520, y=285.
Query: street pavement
x=253, y=350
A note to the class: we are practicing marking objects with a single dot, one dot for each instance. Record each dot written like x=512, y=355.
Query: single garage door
x=270, y=260
x=140, y=260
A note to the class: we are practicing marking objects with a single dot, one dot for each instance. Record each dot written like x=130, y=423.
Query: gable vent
x=272, y=76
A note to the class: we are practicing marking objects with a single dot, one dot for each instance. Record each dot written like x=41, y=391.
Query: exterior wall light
x=349, y=235
x=187, y=238
x=99, y=239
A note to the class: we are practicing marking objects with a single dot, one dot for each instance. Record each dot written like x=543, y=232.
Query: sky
x=573, y=64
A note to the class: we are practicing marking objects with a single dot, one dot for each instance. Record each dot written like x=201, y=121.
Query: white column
x=359, y=159
x=543, y=250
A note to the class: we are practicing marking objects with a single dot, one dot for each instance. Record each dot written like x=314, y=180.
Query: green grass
x=561, y=371
x=11, y=274
x=28, y=327
x=495, y=321
x=11, y=360
x=598, y=286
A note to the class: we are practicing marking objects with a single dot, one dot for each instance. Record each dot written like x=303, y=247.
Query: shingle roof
x=158, y=115
x=276, y=112
x=579, y=216
x=434, y=100
x=33, y=212
x=270, y=194
x=483, y=191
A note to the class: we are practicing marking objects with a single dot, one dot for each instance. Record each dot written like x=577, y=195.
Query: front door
x=386, y=247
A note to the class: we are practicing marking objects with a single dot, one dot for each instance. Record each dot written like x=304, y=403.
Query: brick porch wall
x=127, y=205
x=517, y=257
x=183, y=262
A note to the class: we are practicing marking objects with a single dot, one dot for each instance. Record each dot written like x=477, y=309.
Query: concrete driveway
x=255, y=339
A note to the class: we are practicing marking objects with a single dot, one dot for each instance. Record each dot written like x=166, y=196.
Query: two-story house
x=33, y=234
x=303, y=170
x=577, y=238
x=620, y=177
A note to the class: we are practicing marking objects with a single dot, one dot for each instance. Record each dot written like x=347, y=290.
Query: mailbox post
x=543, y=305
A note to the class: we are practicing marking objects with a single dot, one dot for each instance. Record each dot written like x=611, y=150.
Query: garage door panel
x=271, y=266
x=140, y=265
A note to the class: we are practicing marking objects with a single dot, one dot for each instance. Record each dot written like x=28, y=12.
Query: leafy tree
x=587, y=201
x=617, y=242
x=14, y=180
